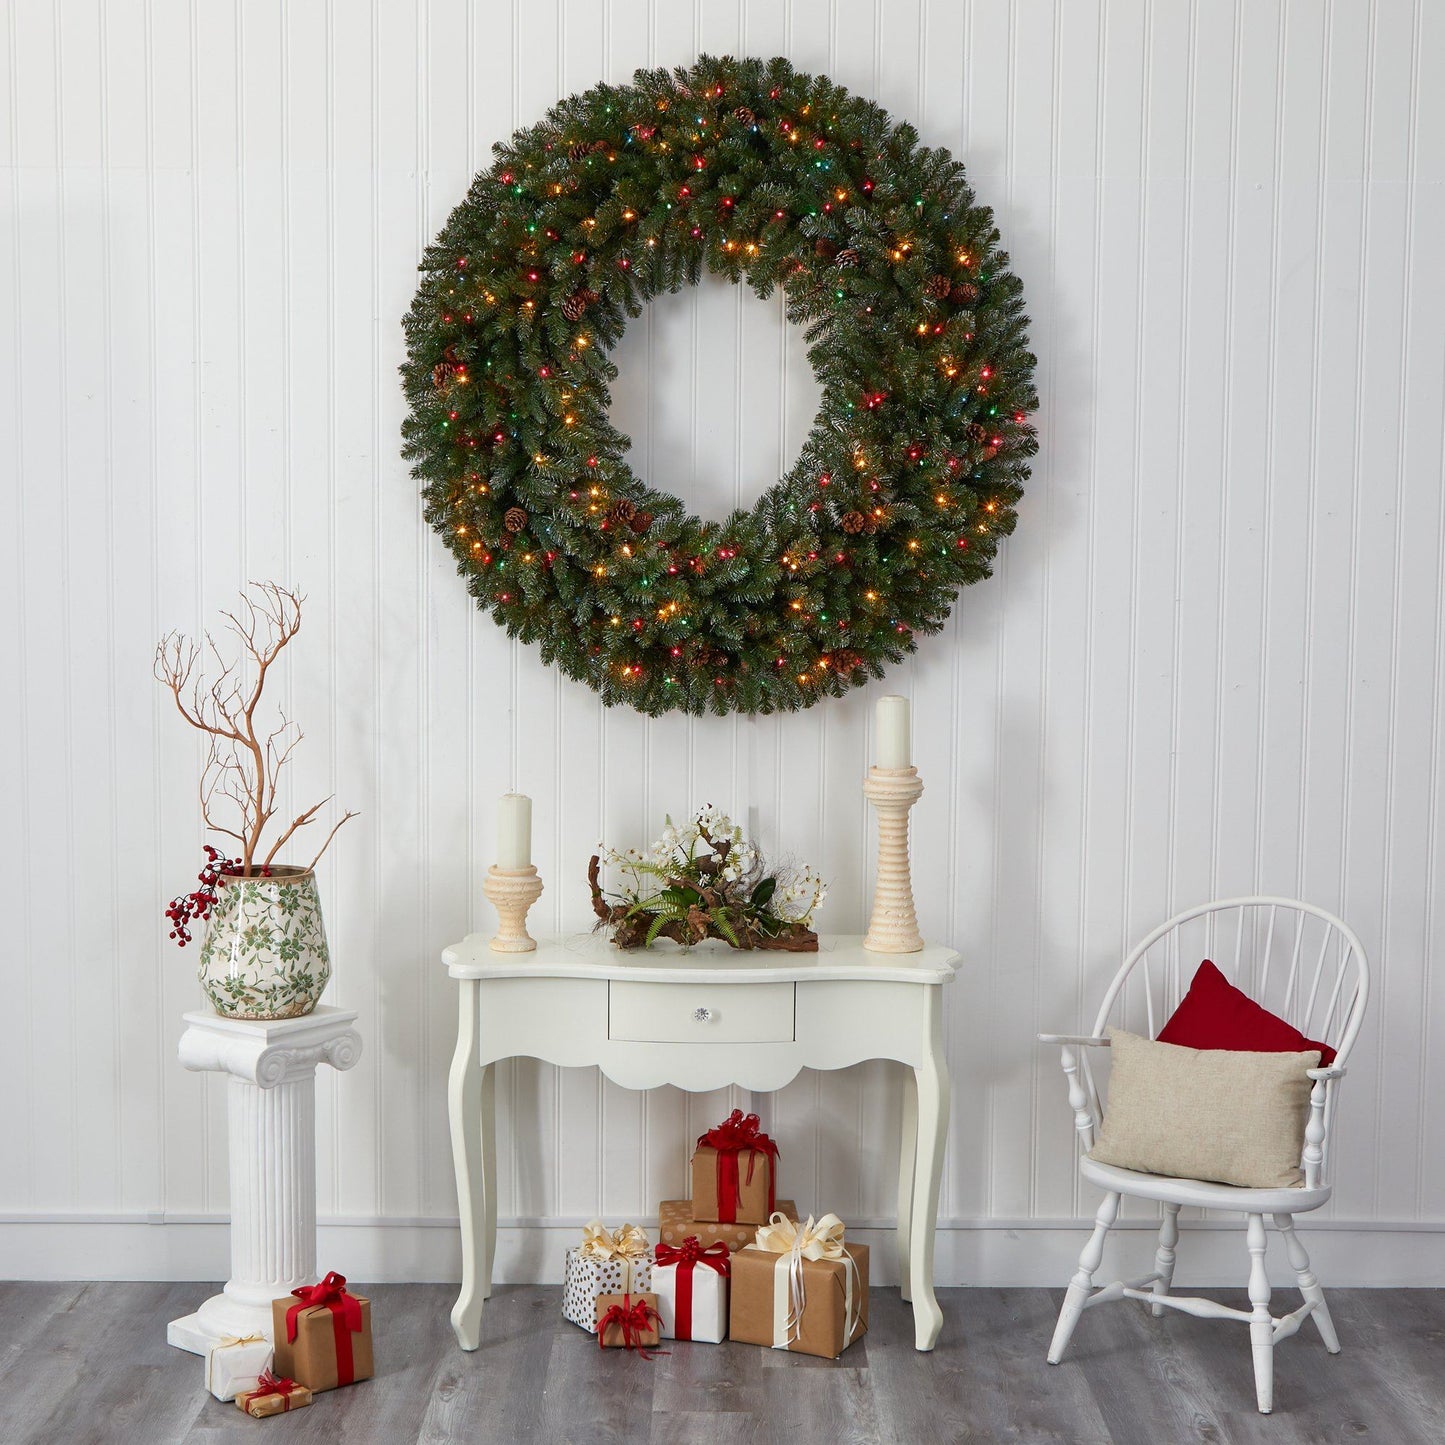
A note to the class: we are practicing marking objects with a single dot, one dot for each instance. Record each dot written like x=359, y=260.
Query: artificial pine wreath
x=916, y=333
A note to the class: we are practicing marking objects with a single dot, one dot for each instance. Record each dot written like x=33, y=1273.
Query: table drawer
x=701, y=1013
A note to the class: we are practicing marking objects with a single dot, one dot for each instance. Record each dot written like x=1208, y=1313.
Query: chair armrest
x=1081, y=1089
x=1312, y=1160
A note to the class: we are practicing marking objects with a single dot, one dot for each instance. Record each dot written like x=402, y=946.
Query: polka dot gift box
x=676, y=1223
x=606, y=1262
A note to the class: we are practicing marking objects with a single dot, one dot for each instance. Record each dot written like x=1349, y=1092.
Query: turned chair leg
x=1083, y=1281
x=1164, y=1255
x=1261, y=1325
x=1309, y=1286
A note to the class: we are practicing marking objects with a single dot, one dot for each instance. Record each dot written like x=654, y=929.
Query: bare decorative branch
x=243, y=762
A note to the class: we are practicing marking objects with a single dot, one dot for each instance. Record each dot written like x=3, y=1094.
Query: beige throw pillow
x=1218, y=1114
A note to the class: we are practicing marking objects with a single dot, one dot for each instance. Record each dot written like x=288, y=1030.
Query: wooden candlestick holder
x=513, y=891
x=893, y=927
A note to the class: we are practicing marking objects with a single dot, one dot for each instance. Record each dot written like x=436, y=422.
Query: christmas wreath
x=916, y=333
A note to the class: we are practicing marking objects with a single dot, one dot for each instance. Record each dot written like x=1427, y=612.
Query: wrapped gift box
x=627, y=1322
x=604, y=1263
x=734, y=1173
x=691, y=1284
x=676, y=1222
x=273, y=1396
x=236, y=1364
x=323, y=1335
x=783, y=1298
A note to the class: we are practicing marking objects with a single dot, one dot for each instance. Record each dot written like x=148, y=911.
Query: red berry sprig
x=191, y=907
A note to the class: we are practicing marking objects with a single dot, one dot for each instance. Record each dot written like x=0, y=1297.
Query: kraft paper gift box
x=734, y=1173
x=235, y=1364
x=627, y=1322
x=604, y=1263
x=676, y=1223
x=691, y=1284
x=323, y=1335
x=801, y=1288
x=273, y=1396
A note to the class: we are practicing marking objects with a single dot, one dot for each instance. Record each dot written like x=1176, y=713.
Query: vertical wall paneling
x=1209, y=660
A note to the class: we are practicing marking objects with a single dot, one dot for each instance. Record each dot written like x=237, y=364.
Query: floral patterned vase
x=264, y=954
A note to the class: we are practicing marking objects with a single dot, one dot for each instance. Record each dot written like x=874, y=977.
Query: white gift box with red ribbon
x=691, y=1284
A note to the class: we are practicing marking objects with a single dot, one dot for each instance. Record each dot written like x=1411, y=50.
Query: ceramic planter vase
x=264, y=954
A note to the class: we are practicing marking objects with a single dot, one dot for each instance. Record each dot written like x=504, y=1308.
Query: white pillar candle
x=514, y=831
x=893, y=733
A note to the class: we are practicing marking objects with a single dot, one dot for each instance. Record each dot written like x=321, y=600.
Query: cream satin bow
x=820, y=1240
x=628, y=1243
x=793, y=1243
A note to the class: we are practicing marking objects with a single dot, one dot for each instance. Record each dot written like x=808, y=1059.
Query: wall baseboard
x=992, y=1253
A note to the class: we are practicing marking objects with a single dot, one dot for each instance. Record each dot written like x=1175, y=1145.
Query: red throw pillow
x=1216, y=1015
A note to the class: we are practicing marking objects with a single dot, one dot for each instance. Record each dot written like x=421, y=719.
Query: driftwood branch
x=243, y=762
x=345, y=818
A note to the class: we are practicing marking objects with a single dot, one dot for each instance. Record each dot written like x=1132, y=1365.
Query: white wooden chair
x=1297, y=961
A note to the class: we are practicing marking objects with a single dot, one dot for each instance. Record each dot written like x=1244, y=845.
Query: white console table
x=700, y=1021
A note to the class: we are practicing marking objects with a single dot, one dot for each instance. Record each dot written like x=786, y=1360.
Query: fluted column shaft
x=273, y=1188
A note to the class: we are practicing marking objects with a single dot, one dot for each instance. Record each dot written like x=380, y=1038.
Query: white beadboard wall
x=1210, y=661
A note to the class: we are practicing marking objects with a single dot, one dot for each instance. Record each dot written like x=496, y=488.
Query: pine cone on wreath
x=938, y=287
x=623, y=510
x=964, y=294
x=870, y=524
x=975, y=431
x=825, y=248
x=443, y=374
x=853, y=523
x=744, y=116
x=846, y=660
x=515, y=519
x=579, y=151
x=574, y=306
x=849, y=258
x=989, y=453
x=640, y=522
x=600, y=145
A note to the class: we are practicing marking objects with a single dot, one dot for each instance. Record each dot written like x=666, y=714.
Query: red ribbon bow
x=736, y=1133
x=268, y=1384
x=632, y=1316
x=345, y=1319
x=687, y=1256
x=690, y=1252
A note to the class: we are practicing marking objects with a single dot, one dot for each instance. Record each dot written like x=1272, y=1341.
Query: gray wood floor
x=88, y=1362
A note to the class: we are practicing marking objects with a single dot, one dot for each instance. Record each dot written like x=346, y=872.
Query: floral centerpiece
x=705, y=880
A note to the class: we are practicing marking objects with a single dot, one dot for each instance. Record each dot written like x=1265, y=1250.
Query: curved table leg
x=933, y=1104
x=489, y=1176
x=907, y=1155
x=464, y=1102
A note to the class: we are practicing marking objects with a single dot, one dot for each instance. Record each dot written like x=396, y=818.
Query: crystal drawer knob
x=702, y=1015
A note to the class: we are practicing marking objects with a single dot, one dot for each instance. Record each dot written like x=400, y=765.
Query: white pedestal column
x=271, y=1110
